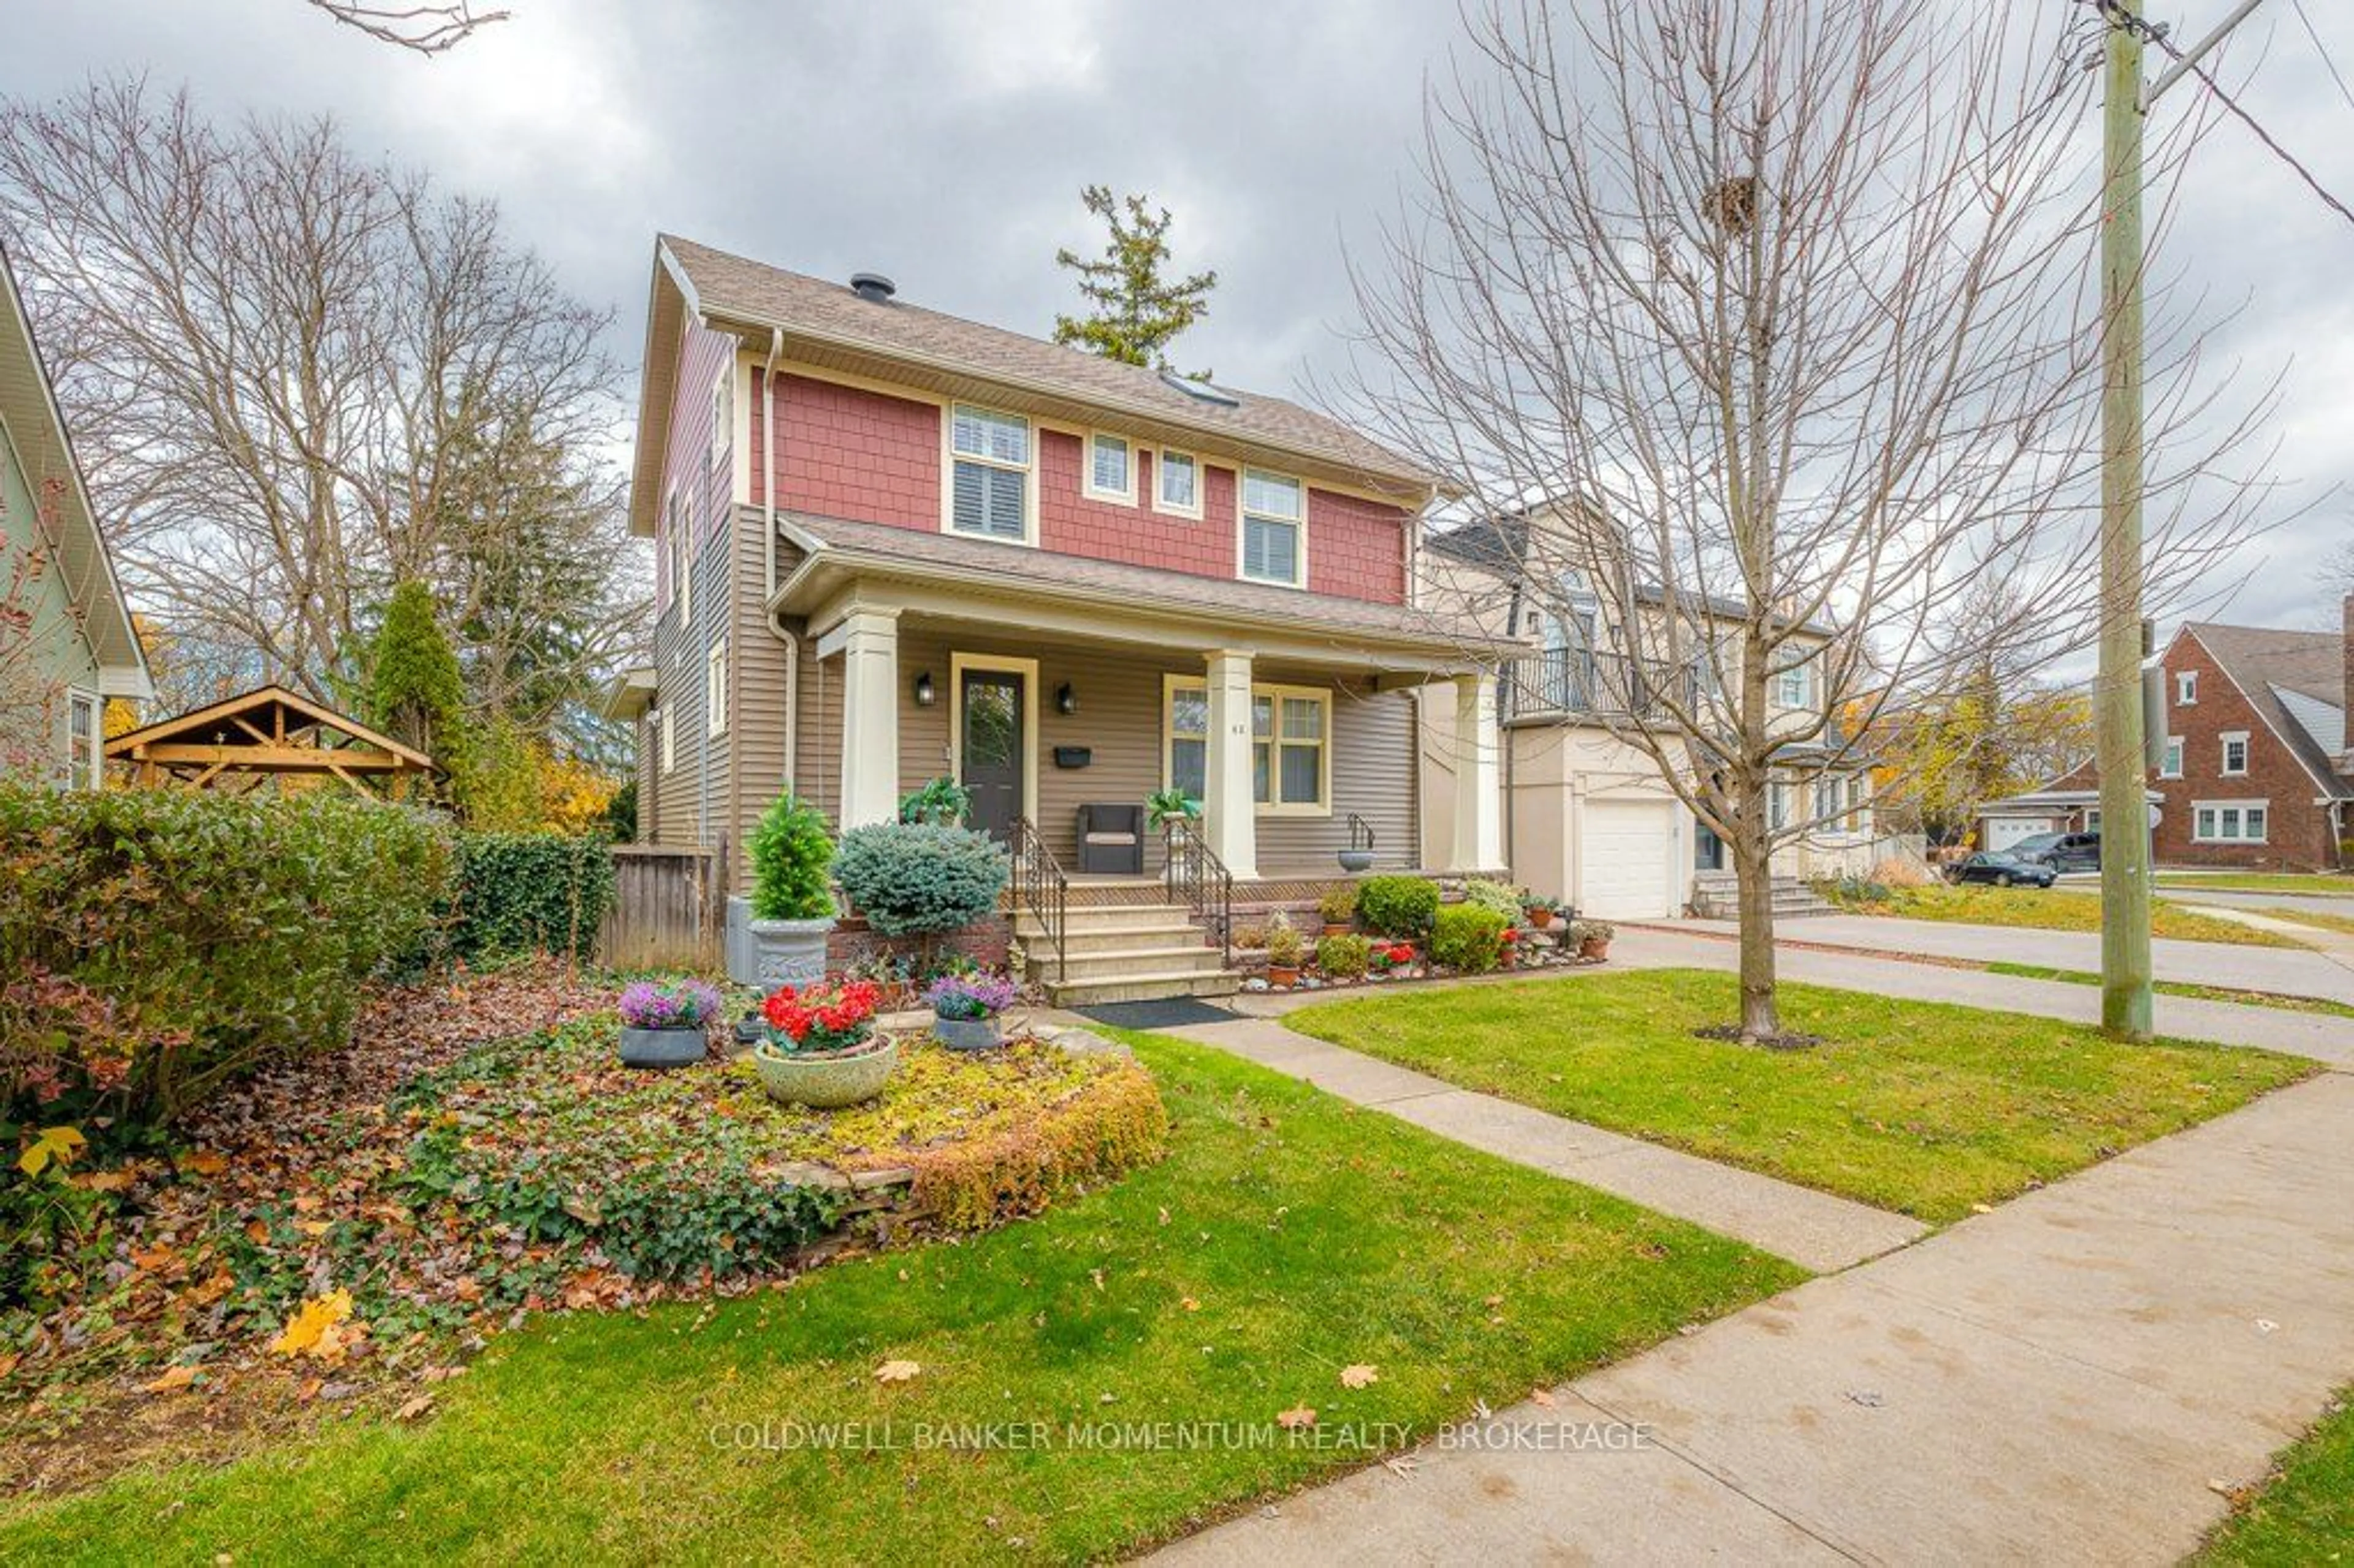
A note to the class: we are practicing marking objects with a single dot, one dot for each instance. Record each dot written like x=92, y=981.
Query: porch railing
x=1607, y=685
x=1361, y=833
x=1193, y=872
x=1040, y=886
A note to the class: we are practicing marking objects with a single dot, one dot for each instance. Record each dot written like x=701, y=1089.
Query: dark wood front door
x=989, y=748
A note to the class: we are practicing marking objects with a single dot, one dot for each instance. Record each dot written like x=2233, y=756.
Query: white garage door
x=2001, y=833
x=1628, y=852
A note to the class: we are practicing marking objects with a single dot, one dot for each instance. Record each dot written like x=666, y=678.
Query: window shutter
x=989, y=501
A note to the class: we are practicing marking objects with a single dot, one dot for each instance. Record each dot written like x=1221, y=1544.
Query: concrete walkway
x=2287, y=972
x=2066, y=1380
x=1691, y=944
x=1816, y=1229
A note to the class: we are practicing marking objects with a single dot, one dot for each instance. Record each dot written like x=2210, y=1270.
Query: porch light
x=925, y=696
x=1065, y=699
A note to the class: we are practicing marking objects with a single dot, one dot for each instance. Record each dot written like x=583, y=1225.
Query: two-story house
x=1589, y=816
x=893, y=544
x=67, y=644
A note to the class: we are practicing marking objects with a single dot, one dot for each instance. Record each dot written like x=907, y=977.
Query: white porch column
x=1479, y=777
x=870, y=716
x=1229, y=815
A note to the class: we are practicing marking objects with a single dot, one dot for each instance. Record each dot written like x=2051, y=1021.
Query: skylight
x=1201, y=391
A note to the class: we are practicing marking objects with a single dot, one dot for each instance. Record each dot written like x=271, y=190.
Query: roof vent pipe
x=872, y=287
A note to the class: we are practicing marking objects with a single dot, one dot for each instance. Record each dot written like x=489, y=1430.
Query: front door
x=989, y=750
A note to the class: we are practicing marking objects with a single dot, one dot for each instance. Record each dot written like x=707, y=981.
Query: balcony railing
x=1574, y=680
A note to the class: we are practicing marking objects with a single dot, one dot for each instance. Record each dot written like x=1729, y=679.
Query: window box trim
x=2219, y=807
x=1087, y=486
x=1172, y=683
x=1242, y=528
x=950, y=457
x=1160, y=503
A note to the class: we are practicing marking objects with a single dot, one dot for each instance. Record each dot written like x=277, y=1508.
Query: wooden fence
x=665, y=910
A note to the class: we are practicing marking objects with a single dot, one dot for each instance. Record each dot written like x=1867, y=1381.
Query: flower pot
x=968, y=1034
x=1594, y=948
x=1541, y=918
x=1356, y=860
x=662, y=1047
x=1331, y=929
x=751, y=1028
x=789, y=952
x=1278, y=975
x=826, y=1080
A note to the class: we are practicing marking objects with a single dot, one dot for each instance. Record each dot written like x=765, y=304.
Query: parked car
x=2004, y=868
x=2061, y=852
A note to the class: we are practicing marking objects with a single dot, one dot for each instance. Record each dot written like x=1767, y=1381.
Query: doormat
x=1168, y=1012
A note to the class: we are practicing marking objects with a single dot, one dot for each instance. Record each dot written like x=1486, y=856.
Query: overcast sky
x=946, y=145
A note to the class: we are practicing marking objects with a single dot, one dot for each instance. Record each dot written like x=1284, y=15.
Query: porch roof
x=838, y=552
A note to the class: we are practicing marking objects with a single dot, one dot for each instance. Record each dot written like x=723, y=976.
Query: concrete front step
x=1110, y=917
x=1144, y=988
x=1195, y=959
x=1083, y=939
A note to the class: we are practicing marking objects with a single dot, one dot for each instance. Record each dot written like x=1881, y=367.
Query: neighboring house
x=2255, y=770
x=1590, y=818
x=66, y=644
x=893, y=544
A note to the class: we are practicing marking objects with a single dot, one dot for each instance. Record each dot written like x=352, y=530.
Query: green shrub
x=789, y=852
x=1468, y=937
x=522, y=892
x=1397, y=905
x=1344, y=957
x=1285, y=948
x=942, y=800
x=1500, y=896
x=155, y=944
x=1339, y=905
x=920, y=879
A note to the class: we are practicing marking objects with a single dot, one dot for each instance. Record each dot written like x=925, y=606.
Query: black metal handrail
x=1193, y=872
x=1039, y=883
x=1361, y=833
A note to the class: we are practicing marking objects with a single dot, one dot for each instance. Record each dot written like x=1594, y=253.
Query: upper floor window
x=679, y=555
x=83, y=727
x=1111, y=469
x=1274, y=510
x=1177, y=484
x=723, y=421
x=990, y=495
x=715, y=688
x=2185, y=688
x=2170, y=766
x=2235, y=751
x=1794, y=683
x=669, y=742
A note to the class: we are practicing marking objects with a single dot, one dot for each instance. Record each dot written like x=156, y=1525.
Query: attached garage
x=1628, y=855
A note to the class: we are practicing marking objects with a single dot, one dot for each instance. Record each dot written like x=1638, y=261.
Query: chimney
x=872, y=287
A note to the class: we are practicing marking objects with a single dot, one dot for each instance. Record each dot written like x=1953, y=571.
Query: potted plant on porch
x=1284, y=951
x=1592, y=938
x=822, y=1050
x=965, y=1008
x=792, y=903
x=1541, y=912
x=1164, y=807
x=663, y=1022
x=1339, y=908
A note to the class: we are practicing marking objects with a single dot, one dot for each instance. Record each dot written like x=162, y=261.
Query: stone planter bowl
x=828, y=1080
x=1356, y=860
x=967, y=1033
x=662, y=1047
x=789, y=952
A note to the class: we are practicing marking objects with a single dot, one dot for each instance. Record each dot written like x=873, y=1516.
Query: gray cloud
x=946, y=144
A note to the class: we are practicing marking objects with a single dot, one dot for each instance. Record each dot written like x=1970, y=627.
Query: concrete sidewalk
x=2066, y=1380
x=1816, y=1229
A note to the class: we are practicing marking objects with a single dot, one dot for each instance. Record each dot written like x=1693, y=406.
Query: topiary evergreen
x=790, y=851
x=414, y=693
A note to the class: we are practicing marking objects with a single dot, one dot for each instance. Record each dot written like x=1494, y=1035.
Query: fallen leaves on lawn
x=1299, y=1418
x=51, y=1145
x=173, y=1378
x=319, y=1330
x=414, y=1408
x=1358, y=1375
x=898, y=1372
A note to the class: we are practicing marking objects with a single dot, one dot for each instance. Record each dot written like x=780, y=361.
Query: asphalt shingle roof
x=2264, y=663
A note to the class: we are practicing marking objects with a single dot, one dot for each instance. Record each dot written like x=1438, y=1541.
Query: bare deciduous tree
x=296, y=376
x=427, y=29
x=1760, y=331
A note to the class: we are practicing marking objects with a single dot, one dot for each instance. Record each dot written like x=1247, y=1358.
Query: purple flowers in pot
x=669, y=1004
x=980, y=995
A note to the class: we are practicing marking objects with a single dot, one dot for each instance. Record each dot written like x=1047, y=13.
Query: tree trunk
x=1753, y=871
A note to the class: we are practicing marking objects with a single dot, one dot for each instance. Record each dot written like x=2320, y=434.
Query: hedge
x=1468, y=937
x=1401, y=907
x=520, y=893
x=155, y=944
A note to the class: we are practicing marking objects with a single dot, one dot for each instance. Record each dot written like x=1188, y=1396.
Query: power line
x=2323, y=50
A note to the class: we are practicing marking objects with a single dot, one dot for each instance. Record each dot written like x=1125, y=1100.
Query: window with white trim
x=990, y=485
x=1780, y=801
x=82, y=733
x=2186, y=689
x=681, y=555
x=1291, y=745
x=2235, y=753
x=715, y=688
x=722, y=428
x=1274, y=511
x=669, y=742
x=1111, y=469
x=2170, y=765
x=1794, y=682
x=2230, y=822
x=1177, y=484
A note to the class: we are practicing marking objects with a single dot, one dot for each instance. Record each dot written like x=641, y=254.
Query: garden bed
x=345, y=1232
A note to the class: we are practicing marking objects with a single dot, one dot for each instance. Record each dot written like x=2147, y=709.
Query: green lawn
x=2341, y=924
x=2184, y=989
x=1286, y=1237
x=2262, y=881
x=2050, y=910
x=1914, y=1107
x=2306, y=1512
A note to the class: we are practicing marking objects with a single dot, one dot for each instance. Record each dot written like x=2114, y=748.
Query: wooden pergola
x=271, y=734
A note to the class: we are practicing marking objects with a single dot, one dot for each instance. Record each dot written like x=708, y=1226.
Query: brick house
x=2255, y=772
x=892, y=544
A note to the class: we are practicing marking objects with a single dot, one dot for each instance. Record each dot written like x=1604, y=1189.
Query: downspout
x=768, y=553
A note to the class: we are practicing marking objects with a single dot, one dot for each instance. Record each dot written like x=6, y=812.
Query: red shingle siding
x=1356, y=548
x=1071, y=524
x=844, y=451
x=2297, y=831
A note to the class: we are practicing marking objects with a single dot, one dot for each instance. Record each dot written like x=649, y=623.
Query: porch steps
x=1125, y=952
x=1716, y=895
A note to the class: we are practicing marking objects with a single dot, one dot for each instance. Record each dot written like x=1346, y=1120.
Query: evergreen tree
x=415, y=694
x=1136, y=312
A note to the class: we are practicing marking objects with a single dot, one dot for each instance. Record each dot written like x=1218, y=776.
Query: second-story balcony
x=1574, y=682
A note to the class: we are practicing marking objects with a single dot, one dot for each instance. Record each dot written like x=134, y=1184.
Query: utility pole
x=2121, y=747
